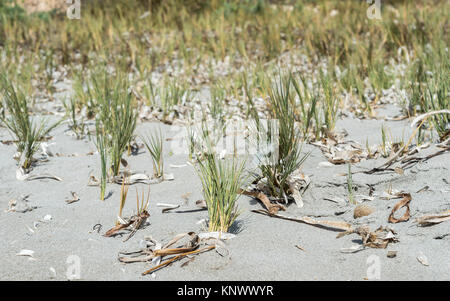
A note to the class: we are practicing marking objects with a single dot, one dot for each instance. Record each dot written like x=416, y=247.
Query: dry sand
x=264, y=247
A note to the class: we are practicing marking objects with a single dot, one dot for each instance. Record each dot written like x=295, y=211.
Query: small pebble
x=391, y=254
x=362, y=210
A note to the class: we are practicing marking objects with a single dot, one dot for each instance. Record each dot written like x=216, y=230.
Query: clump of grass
x=378, y=77
x=389, y=144
x=27, y=133
x=317, y=105
x=282, y=138
x=427, y=86
x=330, y=105
x=117, y=115
x=221, y=182
x=172, y=94
x=191, y=141
x=78, y=127
x=437, y=97
x=221, y=178
x=216, y=107
x=308, y=101
x=83, y=95
x=154, y=144
x=149, y=93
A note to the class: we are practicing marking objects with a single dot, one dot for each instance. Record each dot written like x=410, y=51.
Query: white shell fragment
x=423, y=259
x=26, y=252
x=352, y=249
x=53, y=271
x=47, y=217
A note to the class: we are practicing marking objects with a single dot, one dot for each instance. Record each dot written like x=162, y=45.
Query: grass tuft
x=221, y=182
x=27, y=132
x=154, y=144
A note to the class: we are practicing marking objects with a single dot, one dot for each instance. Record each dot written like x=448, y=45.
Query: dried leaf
x=93, y=181
x=272, y=208
x=300, y=248
x=157, y=253
x=136, y=221
x=428, y=220
x=75, y=198
x=113, y=231
x=337, y=200
x=20, y=205
x=426, y=188
x=177, y=258
x=169, y=207
x=297, y=184
x=331, y=225
x=402, y=203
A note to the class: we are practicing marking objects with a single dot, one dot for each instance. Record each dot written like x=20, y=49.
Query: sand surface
x=264, y=247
